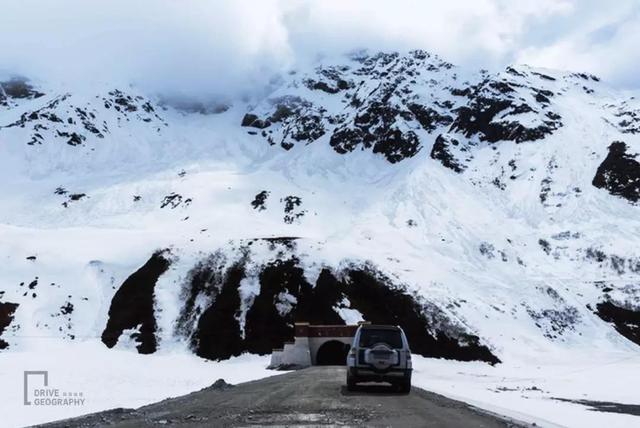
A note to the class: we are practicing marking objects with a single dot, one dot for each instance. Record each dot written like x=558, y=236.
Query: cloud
x=479, y=31
x=189, y=46
x=598, y=38
x=215, y=48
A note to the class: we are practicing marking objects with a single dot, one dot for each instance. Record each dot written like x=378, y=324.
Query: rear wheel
x=405, y=386
x=351, y=383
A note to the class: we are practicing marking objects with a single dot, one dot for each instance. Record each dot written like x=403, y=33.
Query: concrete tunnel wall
x=308, y=340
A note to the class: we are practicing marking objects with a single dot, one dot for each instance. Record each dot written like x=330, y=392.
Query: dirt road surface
x=313, y=397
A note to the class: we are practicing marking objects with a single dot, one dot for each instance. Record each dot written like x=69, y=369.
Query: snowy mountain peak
x=394, y=105
x=490, y=214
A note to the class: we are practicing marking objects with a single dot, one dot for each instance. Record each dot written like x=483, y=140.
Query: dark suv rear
x=380, y=353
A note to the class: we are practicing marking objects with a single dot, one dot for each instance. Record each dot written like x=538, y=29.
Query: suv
x=380, y=353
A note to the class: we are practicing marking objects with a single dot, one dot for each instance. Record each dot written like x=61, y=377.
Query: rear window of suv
x=370, y=337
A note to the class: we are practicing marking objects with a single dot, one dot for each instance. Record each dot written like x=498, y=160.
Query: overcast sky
x=223, y=47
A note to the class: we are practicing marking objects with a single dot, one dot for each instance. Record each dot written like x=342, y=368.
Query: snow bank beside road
x=527, y=391
x=118, y=378
x=523, y=390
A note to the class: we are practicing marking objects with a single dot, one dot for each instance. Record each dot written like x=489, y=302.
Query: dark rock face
x=251, y=120
x=7, y=311
x=260, y=200
x=299, y=121
x=292, y=210
x=69, y=197
x=383, y=303
x=376, y=127
x=446, y=149
x=387, y=102
x=430, y=119
x=62, y=119
x=626, y=321
x=284, y=298
x=493, y=106
x=616, y=263
x=628, y=118
x=217, y=333
x=17, y=88
x=619, y=173
x=507, y=107
x=132, y=305
x=330, y=80
x=218, y=327
x=586, y=76
x=554, y=323
x=212, y=317
x=174, y=200
x=381, y=115
x=270, y=319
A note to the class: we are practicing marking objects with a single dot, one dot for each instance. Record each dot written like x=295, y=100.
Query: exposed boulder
x=253, y=121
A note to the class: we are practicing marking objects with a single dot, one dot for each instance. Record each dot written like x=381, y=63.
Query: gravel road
x=312, y=397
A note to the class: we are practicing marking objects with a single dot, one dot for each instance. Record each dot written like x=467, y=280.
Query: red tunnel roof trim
x=307, y=330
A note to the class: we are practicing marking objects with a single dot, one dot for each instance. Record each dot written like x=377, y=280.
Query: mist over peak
x=202, y=50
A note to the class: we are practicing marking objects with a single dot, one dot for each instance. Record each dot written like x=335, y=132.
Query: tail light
x=351, y=357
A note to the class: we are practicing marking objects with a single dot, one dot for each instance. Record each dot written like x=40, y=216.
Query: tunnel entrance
x=332, y=353
x=315, y=345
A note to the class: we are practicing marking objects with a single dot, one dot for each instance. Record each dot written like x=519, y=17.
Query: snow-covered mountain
x=491, y=215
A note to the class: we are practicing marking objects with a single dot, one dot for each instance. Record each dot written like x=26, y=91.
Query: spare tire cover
x=381, y=356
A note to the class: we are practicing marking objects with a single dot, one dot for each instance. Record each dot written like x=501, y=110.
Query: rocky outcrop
x=625, y=320
x=619, y=173
x=7, y=311
x=131, y=308
x=209, y=316
x=75, y=121
x=371, y=104
x=298, y=120
x=448, y=151
x=378, y=127
x=221, y=317
x=492, y=113
x=428, y=330
x=627, y=116
x=17, y=89
x=387, y=103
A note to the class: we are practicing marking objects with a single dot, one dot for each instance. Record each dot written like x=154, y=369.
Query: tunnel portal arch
x=332, y=353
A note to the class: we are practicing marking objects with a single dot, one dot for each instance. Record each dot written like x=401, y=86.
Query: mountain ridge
x=488, y=199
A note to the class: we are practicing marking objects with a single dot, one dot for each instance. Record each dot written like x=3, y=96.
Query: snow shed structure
x=315, y=345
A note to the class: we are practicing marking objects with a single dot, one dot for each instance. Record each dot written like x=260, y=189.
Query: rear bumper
x=363, y=374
